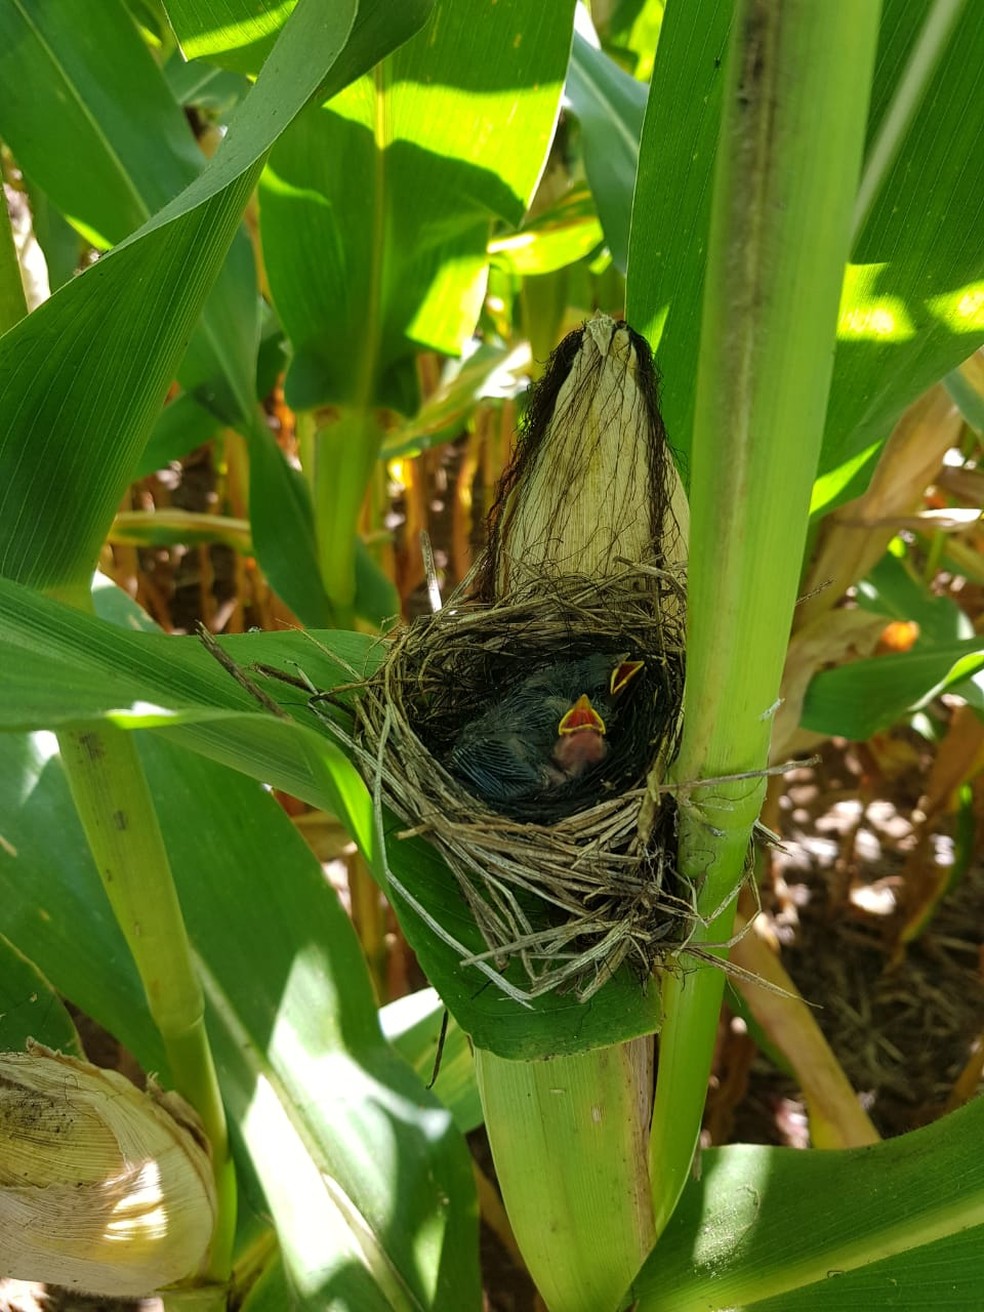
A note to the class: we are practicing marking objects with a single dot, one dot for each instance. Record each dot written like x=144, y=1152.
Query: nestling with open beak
x=548, y=731
x=580, y=740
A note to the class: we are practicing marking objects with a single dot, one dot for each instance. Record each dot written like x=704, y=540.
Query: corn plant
x=793, y=208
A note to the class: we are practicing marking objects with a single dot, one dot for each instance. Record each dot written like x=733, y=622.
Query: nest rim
x=574, y=897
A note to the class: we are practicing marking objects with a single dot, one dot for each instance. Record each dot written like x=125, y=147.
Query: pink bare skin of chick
x=580, y=740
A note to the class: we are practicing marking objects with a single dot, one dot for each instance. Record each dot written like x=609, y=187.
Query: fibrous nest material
x=570, y=882
x=571, y=895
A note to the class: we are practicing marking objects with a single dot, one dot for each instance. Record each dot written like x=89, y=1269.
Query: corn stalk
x=788, y=161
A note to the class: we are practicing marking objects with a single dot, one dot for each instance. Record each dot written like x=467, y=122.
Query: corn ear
x=598, y=485
x=103, y=1189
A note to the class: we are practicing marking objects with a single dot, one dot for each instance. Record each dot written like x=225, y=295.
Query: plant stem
x=345, y=448
x=568, y=1138
x=117, y=812
x=787, y=166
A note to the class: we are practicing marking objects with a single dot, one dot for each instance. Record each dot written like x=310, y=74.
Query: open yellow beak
x=623, y=673
x=582, y=715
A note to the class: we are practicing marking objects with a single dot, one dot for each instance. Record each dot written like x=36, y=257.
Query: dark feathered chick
x=545, y=732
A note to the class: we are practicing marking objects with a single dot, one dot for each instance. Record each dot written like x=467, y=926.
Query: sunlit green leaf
x=241, y=30
x=413, y=1026
x=87, y=113
x=857, y=700
x=897, y=1225
x=913, y=301
x=82, y=378
x=630, y=33
x=565, y=233
x=375, y=217
x=95, y=127
x=671, y=207
x=376, y=211
x=289, y=1000
x=490, y=371
x=610, y=106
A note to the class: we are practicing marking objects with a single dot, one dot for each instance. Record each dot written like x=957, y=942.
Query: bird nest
x=576, y=880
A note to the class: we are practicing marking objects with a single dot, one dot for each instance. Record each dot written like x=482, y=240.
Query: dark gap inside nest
x=527, y=661
x=508, y=674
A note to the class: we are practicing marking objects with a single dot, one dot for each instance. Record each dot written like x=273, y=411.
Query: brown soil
x=903, y=1020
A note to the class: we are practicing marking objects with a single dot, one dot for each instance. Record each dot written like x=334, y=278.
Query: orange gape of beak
x=622, y=674
x=580, y=740
x=582, y=716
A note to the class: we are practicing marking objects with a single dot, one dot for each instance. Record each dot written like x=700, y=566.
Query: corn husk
x=103, y=1189
x=587, y=547
x=594, y=484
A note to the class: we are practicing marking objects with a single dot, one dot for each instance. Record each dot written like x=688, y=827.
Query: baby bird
x=580, y=740
x=547, y=731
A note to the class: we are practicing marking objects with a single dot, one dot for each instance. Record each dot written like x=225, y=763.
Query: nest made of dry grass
x=570, y=895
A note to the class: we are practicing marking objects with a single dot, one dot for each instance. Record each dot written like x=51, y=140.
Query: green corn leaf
x=857, y=700
x=90, y=118
x=66, y=666
x=314, y=1091
x=375, y=215
x=82, y=378
x=912, y=1237
x=610, y=106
